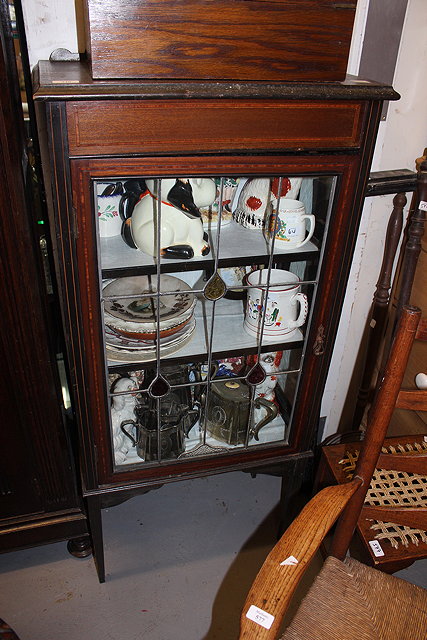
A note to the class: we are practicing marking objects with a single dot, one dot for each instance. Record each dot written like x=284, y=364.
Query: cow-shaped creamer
x=181, y=228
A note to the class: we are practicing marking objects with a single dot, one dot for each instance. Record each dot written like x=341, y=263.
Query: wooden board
x=219, y=39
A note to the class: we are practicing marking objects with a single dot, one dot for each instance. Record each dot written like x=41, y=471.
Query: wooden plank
x=220, y=39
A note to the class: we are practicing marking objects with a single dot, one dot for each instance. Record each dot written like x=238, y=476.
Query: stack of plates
x=131, y=309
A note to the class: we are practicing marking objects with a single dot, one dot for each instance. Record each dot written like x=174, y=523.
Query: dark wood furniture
x=390, y=297
x=398, y=182
x=403, y=454
x=347, y=597
x=100, y=131
x=39, y=494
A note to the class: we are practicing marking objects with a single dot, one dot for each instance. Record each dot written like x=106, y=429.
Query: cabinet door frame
x=78, y=232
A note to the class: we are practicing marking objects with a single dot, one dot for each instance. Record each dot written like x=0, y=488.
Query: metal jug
x=228, y=410
x=174, y=420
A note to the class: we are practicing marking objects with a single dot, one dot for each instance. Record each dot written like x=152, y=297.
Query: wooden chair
x=390, y=296
x=387, y=537
x=398, y=486
x=347, y=599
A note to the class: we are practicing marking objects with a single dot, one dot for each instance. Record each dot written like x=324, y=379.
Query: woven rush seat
x=377, y=606
x=349, y=599
x=388, y=488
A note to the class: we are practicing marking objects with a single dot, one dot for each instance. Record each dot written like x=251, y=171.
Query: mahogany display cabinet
x=199, y=337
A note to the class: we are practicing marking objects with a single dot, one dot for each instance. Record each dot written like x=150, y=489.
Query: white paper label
x=291, y=560
x=423, y=205
x=259, y=616
x=376, y=548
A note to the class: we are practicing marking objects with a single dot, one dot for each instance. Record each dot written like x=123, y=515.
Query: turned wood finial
x=394, y=230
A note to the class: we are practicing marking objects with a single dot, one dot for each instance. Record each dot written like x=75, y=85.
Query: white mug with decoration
x=291, y=226
x=109, y=220
x=286, y=307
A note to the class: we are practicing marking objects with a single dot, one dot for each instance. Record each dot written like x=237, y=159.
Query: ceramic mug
x=291, y=226
x=109, y=220
x=286, y=306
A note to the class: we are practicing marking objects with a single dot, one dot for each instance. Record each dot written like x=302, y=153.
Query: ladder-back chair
x=347, y=599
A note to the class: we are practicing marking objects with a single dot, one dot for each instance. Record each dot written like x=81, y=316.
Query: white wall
x=402, y=138
x=52, y=23
x=49, y=24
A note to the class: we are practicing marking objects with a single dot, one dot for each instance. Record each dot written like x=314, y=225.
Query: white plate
x=142, y=307
x=117, y=341
x=120, y=355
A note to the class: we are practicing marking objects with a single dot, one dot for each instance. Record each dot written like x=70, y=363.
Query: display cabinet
x=204, y=235
x=40, y=500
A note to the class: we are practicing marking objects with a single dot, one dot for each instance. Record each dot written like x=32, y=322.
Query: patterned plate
x=114, y=339
x=121, y=355
x=141, y=306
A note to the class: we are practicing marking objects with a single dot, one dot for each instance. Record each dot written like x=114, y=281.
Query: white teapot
x=181, y=234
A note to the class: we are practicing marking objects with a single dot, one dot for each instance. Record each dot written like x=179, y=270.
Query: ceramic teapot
x=228, y=409
x=181, y=235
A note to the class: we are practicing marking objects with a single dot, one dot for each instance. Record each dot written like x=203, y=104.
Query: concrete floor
x=179, y=563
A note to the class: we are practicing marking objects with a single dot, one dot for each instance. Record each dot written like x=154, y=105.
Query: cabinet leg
x=93, y=504
x=80, y=547
x=294, y=493
x=7, y=632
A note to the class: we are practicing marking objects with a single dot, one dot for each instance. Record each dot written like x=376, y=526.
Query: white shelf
x=235, y=241
x=228, y=336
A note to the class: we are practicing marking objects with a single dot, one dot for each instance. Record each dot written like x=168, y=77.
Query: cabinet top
x=72, y=81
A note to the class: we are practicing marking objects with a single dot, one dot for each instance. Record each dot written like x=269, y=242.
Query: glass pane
x=205, y=321
x=200, y=416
